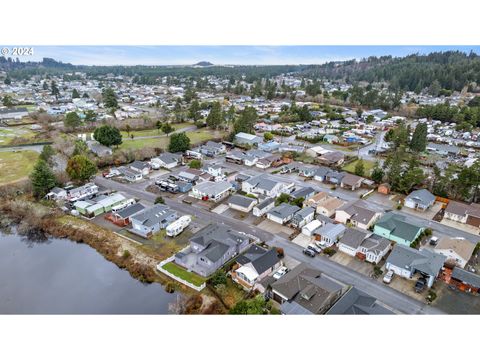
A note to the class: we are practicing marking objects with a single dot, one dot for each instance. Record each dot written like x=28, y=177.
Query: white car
x=280, y=272
x=387, y=279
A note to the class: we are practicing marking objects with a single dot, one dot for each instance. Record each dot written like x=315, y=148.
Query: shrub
x=126, y=254
x=159, y=200
x=218, y=278
x=329, y=251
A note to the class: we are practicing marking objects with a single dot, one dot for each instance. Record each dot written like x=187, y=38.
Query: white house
x=263, y=185
x=242, y=203
x=213, y=191
x=282, y=213
x=264, y=206
x=457, y=250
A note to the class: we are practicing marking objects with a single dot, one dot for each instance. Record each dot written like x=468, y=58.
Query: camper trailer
x=178, y=226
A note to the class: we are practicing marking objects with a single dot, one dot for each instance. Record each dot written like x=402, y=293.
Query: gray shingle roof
x=356, y=302
x=240, y=200
x=398, y=226
x=422, y=260
x=422, y=196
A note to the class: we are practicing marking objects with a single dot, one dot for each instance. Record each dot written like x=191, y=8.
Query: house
x=384, y=189
x=255, y=264
x=364, y=245
x=270, y=146
x=357, y=214
x=356, y=302
x=303, y=193
x=130, y=174
x=305, y=291
x=420, y=200
x=332, y=158
x=463, y=213
x=310, y=227
x=329, y=205
x=167, y=160
x=329, y=234
x=396, y=228
x=215, y=171
x=242, y=203
x=406, y=262
x=211, y=248
x=320, y=173
x=264, y=163
x=334, y=177
x=329, y=138
x=140, y=166
x=465, y=280
x=282, y=213
x=247, y=139
x=189, y=175
x=316, y=199
x=303, y=217
x=212, y=191
x=264, y=206
x=351, y=182
x=151, y=220
x=264, y=185
x=122, y=217
x=307, y=171
x=212, y=149
x=458, y=251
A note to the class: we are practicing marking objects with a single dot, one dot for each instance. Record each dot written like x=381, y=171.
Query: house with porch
x=357, y=214
x=420, y=200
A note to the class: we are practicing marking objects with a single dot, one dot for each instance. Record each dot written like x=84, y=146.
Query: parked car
x=387, y=279
x=420, y=285
x=314, y=248
x=309, y=252
x=433, y=240
x=280, y=272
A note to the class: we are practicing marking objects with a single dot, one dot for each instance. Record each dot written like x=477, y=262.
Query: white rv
x=178, y=226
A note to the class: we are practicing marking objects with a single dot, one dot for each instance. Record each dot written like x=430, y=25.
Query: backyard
x=16, y=165
x=191, y=277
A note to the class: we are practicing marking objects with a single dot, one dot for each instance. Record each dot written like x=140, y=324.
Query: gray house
x=152, y=220
x=420, y=200
x=210, y=248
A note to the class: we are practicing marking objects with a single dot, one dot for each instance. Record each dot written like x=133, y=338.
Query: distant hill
x=203, y=63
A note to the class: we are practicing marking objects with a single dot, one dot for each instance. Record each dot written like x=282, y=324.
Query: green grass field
x=191, y=277
x=153, y=132
x=162, y=142
x=15, y=166
x=368, y=166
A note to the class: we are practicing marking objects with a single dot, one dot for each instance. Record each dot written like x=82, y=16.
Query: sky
x=223, y=55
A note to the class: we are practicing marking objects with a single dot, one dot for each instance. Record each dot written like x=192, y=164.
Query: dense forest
x=451, y=69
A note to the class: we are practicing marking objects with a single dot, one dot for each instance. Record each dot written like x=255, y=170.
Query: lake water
x=59, y=276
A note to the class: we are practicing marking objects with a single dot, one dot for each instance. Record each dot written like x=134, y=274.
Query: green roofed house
x=396, y=228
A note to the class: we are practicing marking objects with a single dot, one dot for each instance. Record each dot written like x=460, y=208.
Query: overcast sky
x=250, y=55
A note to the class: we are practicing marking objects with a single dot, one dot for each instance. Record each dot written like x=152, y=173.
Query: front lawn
x=191, y=277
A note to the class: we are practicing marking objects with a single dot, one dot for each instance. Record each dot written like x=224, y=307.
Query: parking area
x=405, y=286
x=275, y=228
x=453, y=301
x=464, y=227
x=353, y=263
x=302, y=240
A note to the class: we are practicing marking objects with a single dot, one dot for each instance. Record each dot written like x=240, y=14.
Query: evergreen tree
x=246, y=121
x=360, y=168
x=215, y=117
x=419, y=138
x=377, y=173
x=75, y=94
x=194, y=110
x=42, y=179
x=72, y=120
x=47, y=153
x=109, y=98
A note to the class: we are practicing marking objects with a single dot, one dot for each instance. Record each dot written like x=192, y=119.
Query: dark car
x=309, y=252
x=420, y=285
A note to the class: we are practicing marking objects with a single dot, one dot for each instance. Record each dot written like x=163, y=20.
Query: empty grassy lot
x=196, y=137
x=368, y=166
x=191, y=277
x=153, y=132
x=16, y=165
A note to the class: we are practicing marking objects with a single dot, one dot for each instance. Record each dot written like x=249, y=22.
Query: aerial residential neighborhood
x=290, y=190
